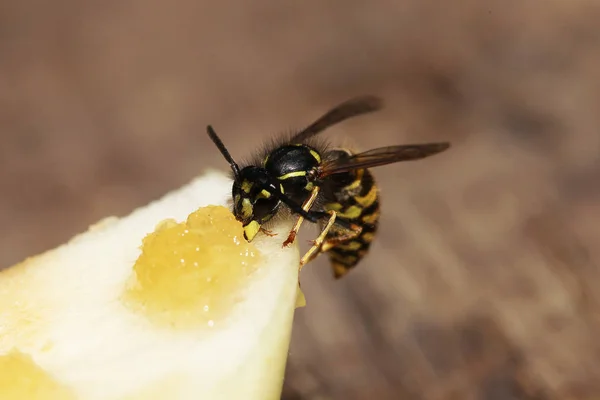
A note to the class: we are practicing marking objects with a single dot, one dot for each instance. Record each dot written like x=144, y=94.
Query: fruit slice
x=187, y=311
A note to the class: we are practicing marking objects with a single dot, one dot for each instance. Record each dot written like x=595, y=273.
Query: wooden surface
x=483, y=282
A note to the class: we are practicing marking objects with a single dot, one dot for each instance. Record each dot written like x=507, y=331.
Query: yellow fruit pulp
x=21, y=378
x=193, y=272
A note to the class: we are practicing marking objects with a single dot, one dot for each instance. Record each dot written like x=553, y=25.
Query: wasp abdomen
x=357, y=202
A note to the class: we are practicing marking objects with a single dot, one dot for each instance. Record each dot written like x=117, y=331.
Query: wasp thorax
x=253, y=200
x=292, y=165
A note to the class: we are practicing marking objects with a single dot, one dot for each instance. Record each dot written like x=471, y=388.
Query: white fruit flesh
x=70, y=328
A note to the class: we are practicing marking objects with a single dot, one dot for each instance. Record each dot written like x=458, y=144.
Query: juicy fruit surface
x=192, y=272
x=21, y=378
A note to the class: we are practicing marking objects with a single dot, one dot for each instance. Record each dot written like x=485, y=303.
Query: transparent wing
x=348, y=109
x=381, y=156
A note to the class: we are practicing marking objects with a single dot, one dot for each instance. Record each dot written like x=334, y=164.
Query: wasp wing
x=381, y=156
x=348, y=109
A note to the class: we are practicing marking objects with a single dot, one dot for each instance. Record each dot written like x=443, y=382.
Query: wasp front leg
x=306, y=207
x=267, y=232
x=321, y=244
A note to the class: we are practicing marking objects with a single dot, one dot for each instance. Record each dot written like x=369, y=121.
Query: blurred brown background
x=483, y=283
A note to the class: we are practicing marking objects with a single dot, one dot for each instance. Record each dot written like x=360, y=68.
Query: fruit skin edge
x=266, y=368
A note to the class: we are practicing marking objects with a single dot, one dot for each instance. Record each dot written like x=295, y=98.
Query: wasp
x=301, y=176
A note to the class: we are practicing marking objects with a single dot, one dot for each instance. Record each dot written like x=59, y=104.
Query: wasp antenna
x=217, y=141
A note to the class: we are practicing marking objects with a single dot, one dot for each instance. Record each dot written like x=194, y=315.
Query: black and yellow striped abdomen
x=355, y=200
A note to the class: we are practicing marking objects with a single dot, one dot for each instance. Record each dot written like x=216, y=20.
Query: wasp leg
x=320, y=245
x=354, y=232
x=267, y=232
x=306, y=207
x=314, y=251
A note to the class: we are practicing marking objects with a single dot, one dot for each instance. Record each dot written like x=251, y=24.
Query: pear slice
x=136, y=308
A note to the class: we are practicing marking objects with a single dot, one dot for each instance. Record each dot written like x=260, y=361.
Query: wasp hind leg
x=306, y=207
x=321, y=244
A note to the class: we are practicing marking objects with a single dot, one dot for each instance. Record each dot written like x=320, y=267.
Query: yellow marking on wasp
x=316, y=155
x=327, y=246
x=267, y=217
x=351, y=246
x=344, y=259
x=333, y=206
x=372, y=218
x=309, y=186
x=351, y=212
x=266, y=160
x=354, y=185
x=292, y=175
x=246, y=208
x=367, y=236
x=281, y=188
x=368, y=199
x=357, y=181
x=247, y=186
x=341, y=238
x=265, y=194
x=251, y=230
x=339, y=270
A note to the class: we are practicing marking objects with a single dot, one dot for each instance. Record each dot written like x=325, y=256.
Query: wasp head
x=256, y=195
x=254, y=202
